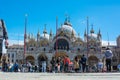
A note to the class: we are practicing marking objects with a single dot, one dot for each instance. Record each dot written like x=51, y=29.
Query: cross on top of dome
x=45, y=32
x=92, y=31
x=67, y=20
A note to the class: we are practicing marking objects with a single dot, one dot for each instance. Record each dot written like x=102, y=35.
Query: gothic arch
x=92, y=60
x=62, y=44
x=30, y=59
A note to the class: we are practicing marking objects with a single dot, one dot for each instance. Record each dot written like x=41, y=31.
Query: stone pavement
x=59, y=76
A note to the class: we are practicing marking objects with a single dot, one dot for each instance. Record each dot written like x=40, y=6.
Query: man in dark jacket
x=108, y=56
x=53, y=62
x=83, y=62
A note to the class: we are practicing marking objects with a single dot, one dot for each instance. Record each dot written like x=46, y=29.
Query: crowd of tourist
x=61, y=65
x=57, y=65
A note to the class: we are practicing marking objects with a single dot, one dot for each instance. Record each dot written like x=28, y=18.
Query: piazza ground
x=59, y=76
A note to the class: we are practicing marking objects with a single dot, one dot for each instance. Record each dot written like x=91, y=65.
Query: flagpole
x=108, y=39
x=25, y=38
x=87, y=33
x=56, y=33
x=87, y=43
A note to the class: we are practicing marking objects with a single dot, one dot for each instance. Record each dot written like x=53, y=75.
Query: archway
x=30, y=59
x=92, y=60
x=42, y=58
x=62, y=44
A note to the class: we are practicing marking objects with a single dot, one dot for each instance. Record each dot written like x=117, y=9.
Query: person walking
x=108, y=56
x=76, y=65
x=66, y=63
x=44, y=66
x=53, y=62
x=83, y=62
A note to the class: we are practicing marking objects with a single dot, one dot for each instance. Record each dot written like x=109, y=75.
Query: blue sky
x=103, y=14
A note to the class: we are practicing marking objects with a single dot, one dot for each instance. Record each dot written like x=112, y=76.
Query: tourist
x=108, y=56
x=53, y=62
x=61, y=64
x=44, y=66
x=80, y=65
x=100, y=66
x=58, y=64
x=83, y=62
x=76, y=64
x=15, y=67
x=66, y=63
x=35, y=68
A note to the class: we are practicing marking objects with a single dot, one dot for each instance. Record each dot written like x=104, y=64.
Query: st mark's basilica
x=65, y=43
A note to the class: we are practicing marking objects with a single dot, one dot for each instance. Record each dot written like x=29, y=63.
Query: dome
x=67, y=29
x=44, y=37
x=92, y=36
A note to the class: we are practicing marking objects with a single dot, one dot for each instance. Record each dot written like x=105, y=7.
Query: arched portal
x=30, y=59
x=42, y=57
x=42, y=60
x=92, y=60
x=62, y=44
x=60, y=54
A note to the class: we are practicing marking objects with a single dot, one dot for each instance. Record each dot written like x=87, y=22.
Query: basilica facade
x=65, y=43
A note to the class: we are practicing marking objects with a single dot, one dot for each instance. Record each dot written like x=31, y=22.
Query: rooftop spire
x=38, y=34
x=45, y=32
x=99, y=33
x=50, y=32
x=85, y=34
x=78, y=34
x=92, y=31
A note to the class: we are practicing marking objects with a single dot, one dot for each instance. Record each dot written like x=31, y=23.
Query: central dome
x=44, y=37
x=92, y=36
x=67, y=29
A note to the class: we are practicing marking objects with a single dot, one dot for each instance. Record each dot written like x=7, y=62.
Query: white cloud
x=16, y=34
x=11, y=42
x=105, y=43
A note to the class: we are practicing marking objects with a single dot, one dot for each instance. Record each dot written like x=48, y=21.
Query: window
x=12, y=60
x=12, y=55
x=78, y=49
x=31, y=49
x=17, y=60
x=8, y=55
x=44, y=49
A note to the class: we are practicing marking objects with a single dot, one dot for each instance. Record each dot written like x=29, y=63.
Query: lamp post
x=56, y=34
x=87, y=34
x=25, y=35
x=87, y=43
